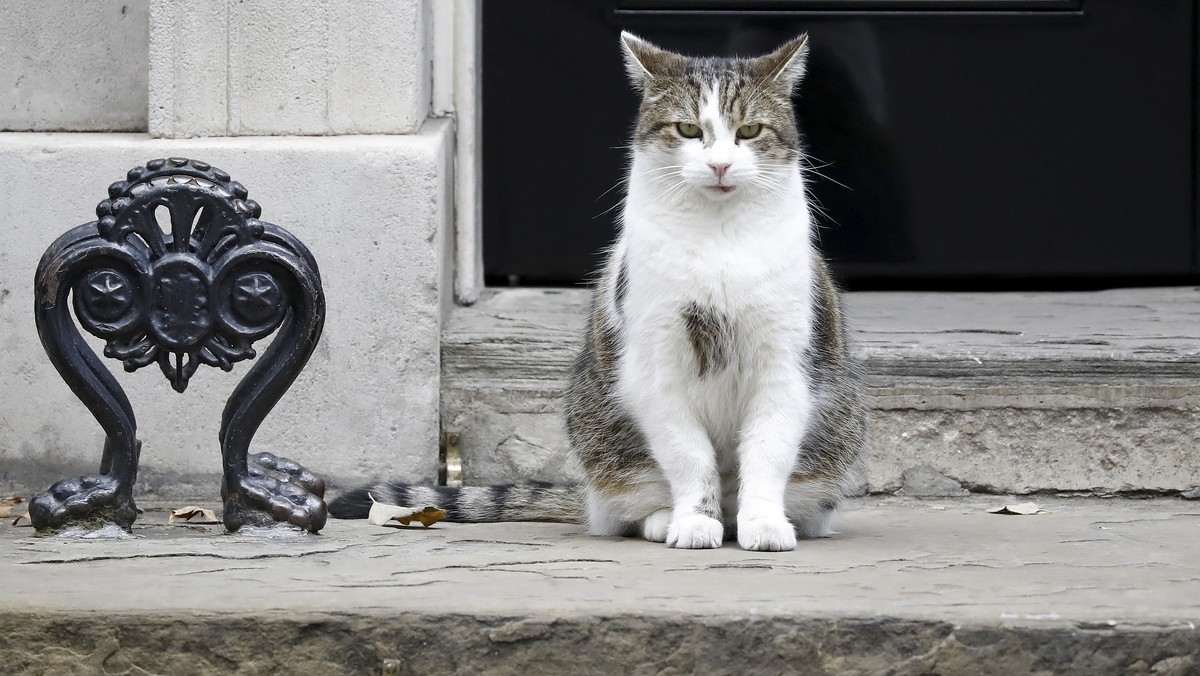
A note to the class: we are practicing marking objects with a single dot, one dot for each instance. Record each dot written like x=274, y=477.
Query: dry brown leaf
x=7, y=504
x=426, y=517
x=207, y=516
x=17, y=520
x=381, y=514
x=1021, y=509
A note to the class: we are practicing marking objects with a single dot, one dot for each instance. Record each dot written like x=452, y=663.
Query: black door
x=1011, y=143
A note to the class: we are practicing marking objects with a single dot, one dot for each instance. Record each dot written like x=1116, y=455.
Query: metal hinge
x=449, y=459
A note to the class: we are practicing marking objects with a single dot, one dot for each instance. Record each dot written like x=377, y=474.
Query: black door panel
x=950, y=139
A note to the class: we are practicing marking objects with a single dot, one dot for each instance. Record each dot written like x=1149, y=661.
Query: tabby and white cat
x=714, y=396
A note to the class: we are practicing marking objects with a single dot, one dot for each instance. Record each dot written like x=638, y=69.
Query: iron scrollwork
x=199, y=289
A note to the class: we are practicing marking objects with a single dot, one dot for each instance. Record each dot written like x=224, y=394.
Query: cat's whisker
x=664, y=172
x=779, y=173
x=675, y=191
x=776, y=183
x=831, y=180
x=623, y=182
x=619, y=203
x=805, y=161
x=815, y=206
x=775, y=175
x=767, y=177
x=665, y=188
x=774, y=190
x=813, y=169
x=678, y=173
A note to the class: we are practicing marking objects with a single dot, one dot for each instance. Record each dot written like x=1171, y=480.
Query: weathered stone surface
x=1006, y=392
x=907, y=586
x=924, y=481
x=1024, y=450
x=504, y=367
x=421, y=644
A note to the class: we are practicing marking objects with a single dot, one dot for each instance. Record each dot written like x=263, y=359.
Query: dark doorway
x=1004, y=144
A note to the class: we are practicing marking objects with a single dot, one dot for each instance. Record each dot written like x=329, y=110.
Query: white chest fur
x=747, y=261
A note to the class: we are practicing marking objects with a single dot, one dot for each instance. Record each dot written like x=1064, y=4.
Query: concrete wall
x=73, y=66
x=288, y=67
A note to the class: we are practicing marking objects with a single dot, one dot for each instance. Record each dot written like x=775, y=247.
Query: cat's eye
x=688, y=130
x=748, y=130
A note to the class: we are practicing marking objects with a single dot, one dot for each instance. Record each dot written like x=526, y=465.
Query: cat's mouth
x=722, y=188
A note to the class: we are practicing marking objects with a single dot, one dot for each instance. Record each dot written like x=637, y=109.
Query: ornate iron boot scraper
x=201, y=294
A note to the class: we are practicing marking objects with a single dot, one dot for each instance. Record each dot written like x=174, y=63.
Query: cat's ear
x=644, y=61
x=786, y=64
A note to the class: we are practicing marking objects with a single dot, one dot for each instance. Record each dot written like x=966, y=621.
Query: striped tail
x=469, y=504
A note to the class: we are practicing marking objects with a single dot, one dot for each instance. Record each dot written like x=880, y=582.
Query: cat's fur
x=714, y=395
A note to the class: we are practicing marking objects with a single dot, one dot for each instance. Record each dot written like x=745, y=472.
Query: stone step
x=907, y=587
x=1089, y=392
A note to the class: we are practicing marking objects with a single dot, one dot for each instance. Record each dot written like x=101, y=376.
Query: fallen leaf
x=426, y=517
x=17, y=520
x=6, y=506
x=1022, y=509
x=207, y=516
x=381, y=513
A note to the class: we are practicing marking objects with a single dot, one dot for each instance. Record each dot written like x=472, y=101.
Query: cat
x=715, y=396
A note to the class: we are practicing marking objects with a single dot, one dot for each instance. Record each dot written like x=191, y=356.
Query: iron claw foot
x=283, y=469
x=276, y=490
x=91, y=498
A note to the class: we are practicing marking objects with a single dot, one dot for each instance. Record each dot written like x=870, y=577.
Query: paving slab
x=907, y=586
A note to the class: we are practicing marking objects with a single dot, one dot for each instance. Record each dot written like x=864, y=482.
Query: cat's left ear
x=786, y=64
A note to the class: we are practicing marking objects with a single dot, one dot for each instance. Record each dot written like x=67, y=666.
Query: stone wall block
x=73, y=66
x=282, y=67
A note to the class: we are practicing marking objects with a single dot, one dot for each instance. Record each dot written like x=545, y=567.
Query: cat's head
x=717, y=127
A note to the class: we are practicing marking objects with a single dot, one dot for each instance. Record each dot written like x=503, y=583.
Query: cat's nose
x=719, y=169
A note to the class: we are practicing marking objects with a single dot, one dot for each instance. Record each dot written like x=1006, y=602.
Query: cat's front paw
x=695, y=531
x=766, y=534
x=654, y=527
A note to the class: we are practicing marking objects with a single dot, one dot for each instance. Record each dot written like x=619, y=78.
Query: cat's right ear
x=644, y=62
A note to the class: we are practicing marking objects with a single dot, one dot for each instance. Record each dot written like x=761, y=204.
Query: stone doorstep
x=908, y=586
x=1083, y=392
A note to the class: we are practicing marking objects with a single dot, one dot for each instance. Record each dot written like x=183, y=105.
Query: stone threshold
x=1088, y=392
x=907, y=586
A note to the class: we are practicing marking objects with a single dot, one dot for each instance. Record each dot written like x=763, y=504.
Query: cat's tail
x=469, y=504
